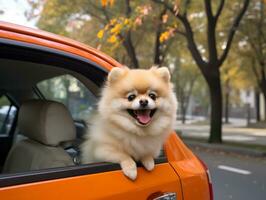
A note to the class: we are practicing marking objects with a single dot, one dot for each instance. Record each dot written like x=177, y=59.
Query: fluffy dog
x=136, y=113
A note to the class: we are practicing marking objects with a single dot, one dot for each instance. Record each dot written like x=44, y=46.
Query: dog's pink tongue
x=144, y=116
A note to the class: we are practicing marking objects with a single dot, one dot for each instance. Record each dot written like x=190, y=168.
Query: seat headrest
x=47, y=122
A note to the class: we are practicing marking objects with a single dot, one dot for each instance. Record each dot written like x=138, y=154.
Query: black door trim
x=17, y=50
x=62, y=172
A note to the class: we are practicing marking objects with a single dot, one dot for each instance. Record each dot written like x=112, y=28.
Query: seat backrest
x=46, y=124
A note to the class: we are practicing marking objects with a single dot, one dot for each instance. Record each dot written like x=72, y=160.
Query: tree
x=146, y=18
x=184, y=75
x=254, y=43
x=234, y=78
x=127, y=24
x=185, y=80
x=209, y=67
x=150, y=30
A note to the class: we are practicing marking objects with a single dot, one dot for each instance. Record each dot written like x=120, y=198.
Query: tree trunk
x=226, y=102
x=181, y=100
x=131, y=50
x=248, y=114
x=213, y=79
x=263, y=90
x=183, y=112
x=264, y=97
x=257, y=104
x=128, y=44
x=213, y=64
x=226, y=110
x=157, y=48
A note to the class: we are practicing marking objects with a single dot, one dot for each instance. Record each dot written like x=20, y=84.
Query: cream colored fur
x=115, y=136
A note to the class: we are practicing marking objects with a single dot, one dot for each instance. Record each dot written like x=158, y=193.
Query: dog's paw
x=129, y=168
x=148, y=163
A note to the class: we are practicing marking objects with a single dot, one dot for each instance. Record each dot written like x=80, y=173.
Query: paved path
x=235, y=177
x=231, y=132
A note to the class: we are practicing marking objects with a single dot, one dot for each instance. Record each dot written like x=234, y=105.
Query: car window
x=7, y=115
x=71, y=92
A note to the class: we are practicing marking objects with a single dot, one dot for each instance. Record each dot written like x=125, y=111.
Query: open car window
x=59, y=76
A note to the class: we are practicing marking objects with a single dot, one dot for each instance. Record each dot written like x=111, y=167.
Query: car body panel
x=38, y=37
x=188, y=167
x=183, y=173
x=107, y=185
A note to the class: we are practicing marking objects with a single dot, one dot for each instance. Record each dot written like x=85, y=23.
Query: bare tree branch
x=158, y=47
x=208, y=9
x=128, y=40
x=219, y=10
x=253, y=67
x=211, y=36
x=191, y=42
x=188, y=33
x=180, y=32
x=232, y=31
x=166, y=49
x=255, y=48
x=128, y=8
x=89, y=10
x=187, y=2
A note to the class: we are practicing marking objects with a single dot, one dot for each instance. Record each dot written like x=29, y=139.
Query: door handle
x=166, y=196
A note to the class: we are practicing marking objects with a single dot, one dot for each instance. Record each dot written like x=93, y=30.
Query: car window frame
x=12, y=50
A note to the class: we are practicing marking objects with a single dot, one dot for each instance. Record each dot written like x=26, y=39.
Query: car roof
x=56, y=38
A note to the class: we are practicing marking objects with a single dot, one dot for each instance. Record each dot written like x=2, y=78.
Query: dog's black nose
x=143, y=102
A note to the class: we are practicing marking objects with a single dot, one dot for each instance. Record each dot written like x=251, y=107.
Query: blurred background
x=215, y=50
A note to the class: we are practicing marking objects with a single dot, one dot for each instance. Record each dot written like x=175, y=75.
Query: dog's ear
x=116, y=73
x=163, y=72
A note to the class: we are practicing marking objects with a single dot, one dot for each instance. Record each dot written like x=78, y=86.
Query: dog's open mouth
x=143, y=116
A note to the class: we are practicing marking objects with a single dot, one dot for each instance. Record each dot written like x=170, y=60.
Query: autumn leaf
x=146, y=10
x=167, y=34
x=106, y=2
x=100, y=34
x=164, y=36
x=176, y=7
x=113, y=21
x=126, y=21
x=99, y=46
x=138, y=21
x=165, y=18
x=116, y=30
x=111, y=2
x=112, y=39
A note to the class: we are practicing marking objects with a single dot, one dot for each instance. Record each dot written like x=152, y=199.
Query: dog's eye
x=131, y=97
x=152, y=96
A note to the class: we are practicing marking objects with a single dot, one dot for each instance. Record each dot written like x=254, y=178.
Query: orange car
x=48, y=86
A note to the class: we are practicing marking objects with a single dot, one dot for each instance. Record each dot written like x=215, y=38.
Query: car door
x=90, y=181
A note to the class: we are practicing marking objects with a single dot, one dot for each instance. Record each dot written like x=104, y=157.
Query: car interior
x=38, y=131
x=46, y=100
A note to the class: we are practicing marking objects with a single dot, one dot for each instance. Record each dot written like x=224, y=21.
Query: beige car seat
x=46, y=124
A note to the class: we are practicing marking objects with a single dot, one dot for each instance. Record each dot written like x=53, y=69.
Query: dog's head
x=138, y=96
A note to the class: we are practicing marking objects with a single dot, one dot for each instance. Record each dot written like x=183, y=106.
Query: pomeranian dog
x=136, y=113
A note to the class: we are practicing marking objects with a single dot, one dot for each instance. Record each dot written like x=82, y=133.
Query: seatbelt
x=72, y=150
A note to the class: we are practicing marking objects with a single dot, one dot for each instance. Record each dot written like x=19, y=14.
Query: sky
x=13, y=11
